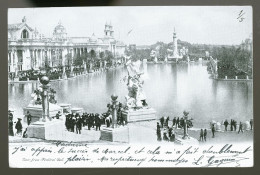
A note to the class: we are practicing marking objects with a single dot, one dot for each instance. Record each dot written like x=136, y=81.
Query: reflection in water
x=170, y=89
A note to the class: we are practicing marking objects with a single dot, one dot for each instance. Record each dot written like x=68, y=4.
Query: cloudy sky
x=201, y=24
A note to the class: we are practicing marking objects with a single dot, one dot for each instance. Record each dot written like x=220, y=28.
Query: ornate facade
x=28, y=49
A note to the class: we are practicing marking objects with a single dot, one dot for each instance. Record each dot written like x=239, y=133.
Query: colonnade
x=36, y=57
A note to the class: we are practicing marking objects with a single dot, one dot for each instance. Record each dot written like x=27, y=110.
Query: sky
x=194, y=24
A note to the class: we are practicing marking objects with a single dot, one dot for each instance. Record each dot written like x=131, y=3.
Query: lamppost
x=45, y=98
x=114, y=109
x=185, y=117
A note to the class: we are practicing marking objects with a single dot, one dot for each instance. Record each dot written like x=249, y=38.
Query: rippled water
x=170, y=90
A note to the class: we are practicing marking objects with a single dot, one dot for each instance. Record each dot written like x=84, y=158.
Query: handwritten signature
x=221, y=160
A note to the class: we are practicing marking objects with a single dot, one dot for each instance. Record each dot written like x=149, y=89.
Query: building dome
x=93, y=38
x=59, y=28
x=60, y=32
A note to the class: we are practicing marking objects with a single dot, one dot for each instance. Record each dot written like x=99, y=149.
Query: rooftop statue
x=136, y=98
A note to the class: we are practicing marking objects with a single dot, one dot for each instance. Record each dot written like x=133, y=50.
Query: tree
x=108, y=56
x=69, y=59
x=102, y=55
x=78, y=61
x=93, y=55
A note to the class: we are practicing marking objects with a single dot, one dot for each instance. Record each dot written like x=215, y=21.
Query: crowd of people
x=75, y=122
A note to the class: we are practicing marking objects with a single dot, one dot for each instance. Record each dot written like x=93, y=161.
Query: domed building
x=29, y=49
x=59, y=32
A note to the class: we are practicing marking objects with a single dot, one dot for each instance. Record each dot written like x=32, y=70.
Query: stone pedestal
x=36, y=111
x=77, y=110
x=66, y=108
x=120, y=134
x=139, y=115
x=50, y=130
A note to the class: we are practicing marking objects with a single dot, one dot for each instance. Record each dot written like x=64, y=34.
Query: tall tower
x=175, y=45
x=107, y=30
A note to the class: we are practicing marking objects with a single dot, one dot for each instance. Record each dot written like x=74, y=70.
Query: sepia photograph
x=130, y=86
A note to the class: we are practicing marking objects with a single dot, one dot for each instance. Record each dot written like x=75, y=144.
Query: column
x=33, y=58
x=80, y=52
x=71, y=64
x=24, y=65
x=114, y=111
x=15, y=63
x=45, y=101
x=12, y=61
x=63, y=54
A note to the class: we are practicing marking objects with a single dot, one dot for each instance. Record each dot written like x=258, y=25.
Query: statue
x=36, y=97
x=52, y=96
x=136, y=98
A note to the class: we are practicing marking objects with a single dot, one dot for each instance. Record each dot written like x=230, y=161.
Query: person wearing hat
x=29, y=118
x=10, y=115
x=19, y=126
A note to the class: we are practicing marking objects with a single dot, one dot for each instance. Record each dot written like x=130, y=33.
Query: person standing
x=240, y=127
x=205, y=135
x=162, y=121
x=178, y=123
x=213, y=130
x=226, y=124
x=174, y=122
x=11, y=130
x=235, y=125
x=201, y=135
x=29, y=118
x=78, y=125
x=231, y=125
x=97, y=122
x=251, y=124
x=10, y=115
x=19, y=127
x=167, y=121
x=158, y=132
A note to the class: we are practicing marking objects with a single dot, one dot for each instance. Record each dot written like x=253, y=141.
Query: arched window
x=25, y=34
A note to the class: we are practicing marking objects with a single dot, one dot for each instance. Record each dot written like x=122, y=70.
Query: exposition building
x=28, y=49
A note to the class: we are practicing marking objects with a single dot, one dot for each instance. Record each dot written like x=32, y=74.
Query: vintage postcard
x=146, y=86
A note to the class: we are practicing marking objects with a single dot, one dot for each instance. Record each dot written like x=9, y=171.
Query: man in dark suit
x=174, y=122
x=213, y=130
x=19, y=127
x=226, y=124
x=78, y=125
x=178, y=122
x=251, y=124
x=240, y=127
x=162, y=121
